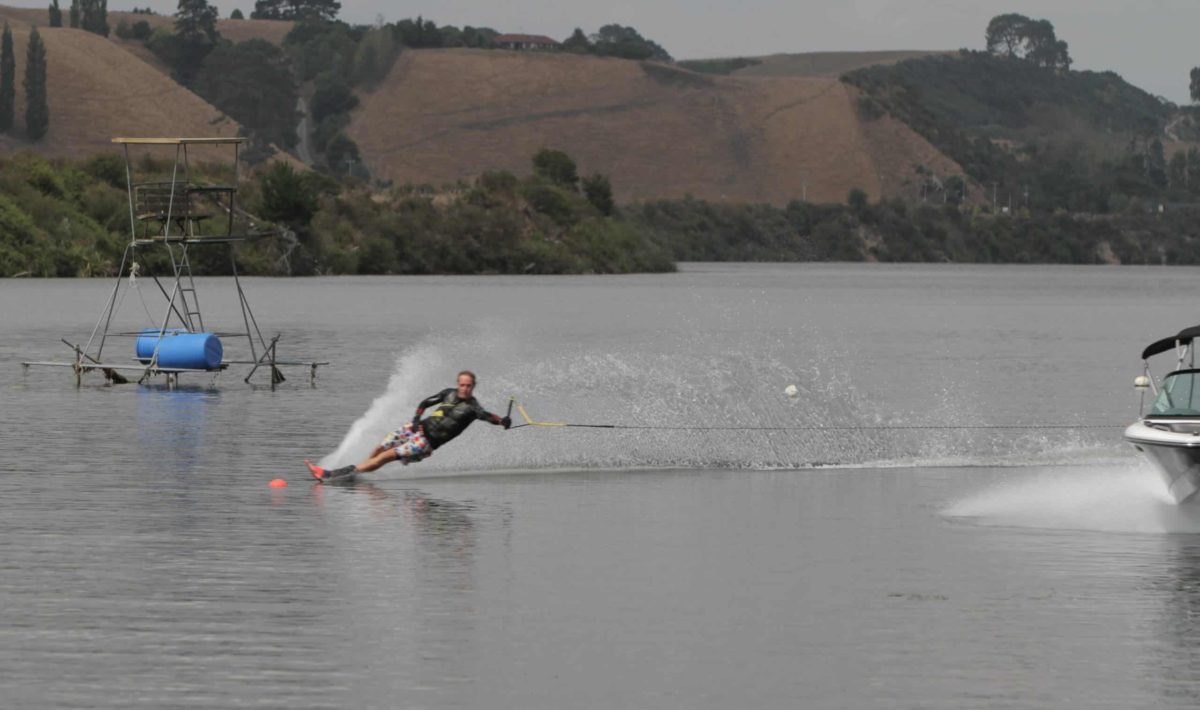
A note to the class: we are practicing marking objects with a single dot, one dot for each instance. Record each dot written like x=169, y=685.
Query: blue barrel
x=181, y=349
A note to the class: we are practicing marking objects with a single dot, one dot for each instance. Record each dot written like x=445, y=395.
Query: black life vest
x=450, y=418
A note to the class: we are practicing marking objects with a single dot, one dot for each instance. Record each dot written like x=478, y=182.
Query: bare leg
x=378, y=458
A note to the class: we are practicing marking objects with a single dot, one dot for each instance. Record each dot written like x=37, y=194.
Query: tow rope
x=530, y=421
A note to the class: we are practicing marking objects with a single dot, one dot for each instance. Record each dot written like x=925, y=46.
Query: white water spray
x=720, y=402
x=1126, y=499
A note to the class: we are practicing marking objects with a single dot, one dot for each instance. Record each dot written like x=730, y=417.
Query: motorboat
x=1168, y=435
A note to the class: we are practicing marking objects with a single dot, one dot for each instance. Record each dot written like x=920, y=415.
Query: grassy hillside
x=658, y=130
x=779, y=130
x=98, y=90
x=826, y=64
x=235, y=30
x=1076, y=140
x=1013, y=99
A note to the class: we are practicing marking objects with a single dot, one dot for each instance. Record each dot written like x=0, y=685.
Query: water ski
x=338, y=475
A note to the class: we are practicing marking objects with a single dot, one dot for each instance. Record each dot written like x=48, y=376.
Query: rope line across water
x=821, y=428
x=529, y=421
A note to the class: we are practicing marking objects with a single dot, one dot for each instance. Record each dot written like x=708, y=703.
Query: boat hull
x=1175, y=454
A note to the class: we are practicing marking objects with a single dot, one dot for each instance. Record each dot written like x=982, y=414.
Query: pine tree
x=195, y=36
x=37, y=109
x=267, y=10
x=196, y=22
x=55, y=14
x=94, y=16
x=8, y=80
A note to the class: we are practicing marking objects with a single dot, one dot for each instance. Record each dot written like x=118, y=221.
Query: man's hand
x=506, y=422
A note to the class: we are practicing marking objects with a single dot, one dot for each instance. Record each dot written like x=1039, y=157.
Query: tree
x=195, y=36
x=1192, y=171
x=955, y=189
x=1177, y=171
x=37, y=108
x=93, y=16
x=625, y=42
x=342, y=157
x=196, y=22
x=321, y=47
x=331, y=96
x=8, y=80
x=478, y=37
x=1020, y=37
x=857, y=199
x=74, y=12
x=1043, y=48
x=55, y=14
x=374, y=56
x=1195, y=85
x=1005, y=34
x=557, y=167
x=286, y=197
x=236, y=14
x=577, y=43
x=419, y=33
x=1156, y=164
x=295, y=10
x=598, y=191
x=252, y=82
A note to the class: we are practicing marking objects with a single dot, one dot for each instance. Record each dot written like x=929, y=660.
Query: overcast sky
x=1145, y=42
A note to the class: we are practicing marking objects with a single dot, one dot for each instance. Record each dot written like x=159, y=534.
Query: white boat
x=1169, y=434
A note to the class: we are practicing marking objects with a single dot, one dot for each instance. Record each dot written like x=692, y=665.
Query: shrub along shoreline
x=71, y=219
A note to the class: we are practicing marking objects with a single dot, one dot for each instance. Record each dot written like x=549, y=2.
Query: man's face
x=466, y=386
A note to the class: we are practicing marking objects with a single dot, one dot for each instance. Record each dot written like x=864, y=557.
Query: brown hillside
x=658, y=131
x=98, y=91
x=236, y=30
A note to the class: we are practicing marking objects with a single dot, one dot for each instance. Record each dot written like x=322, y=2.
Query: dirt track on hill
x=656, y=130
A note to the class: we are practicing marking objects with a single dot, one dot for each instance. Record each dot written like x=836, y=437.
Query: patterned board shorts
x=410, y=446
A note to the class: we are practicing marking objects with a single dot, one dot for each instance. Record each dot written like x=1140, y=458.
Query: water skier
x=453, y=411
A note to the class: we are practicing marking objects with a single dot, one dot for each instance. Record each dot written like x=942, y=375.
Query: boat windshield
x=1179, y=396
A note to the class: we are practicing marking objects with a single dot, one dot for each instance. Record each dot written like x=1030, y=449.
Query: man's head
x=466, y=384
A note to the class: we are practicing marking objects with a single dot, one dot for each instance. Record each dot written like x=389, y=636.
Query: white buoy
x=791, y=391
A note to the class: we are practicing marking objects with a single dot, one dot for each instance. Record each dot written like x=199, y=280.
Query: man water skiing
x=453, y=411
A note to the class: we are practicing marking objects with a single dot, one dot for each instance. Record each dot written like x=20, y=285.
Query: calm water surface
x=745, y=559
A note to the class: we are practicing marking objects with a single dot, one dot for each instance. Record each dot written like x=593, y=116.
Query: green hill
x=1079, y=140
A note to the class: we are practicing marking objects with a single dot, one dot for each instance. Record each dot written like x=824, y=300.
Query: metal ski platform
x=175, y=214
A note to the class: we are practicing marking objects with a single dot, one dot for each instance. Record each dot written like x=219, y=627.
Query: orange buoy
x=278, y=483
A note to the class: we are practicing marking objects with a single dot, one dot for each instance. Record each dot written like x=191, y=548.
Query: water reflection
x=423, y=551
x=172, y=425
x=1175, y=659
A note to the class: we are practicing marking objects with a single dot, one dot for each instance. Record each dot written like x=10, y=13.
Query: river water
x=853, y=547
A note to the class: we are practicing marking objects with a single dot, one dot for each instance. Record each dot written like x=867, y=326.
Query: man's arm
x=490, y=418
x=429, y=402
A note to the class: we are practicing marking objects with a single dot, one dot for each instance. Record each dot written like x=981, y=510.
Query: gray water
x=745, y=559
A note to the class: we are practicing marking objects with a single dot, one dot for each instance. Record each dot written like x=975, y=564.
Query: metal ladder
x=182, y=267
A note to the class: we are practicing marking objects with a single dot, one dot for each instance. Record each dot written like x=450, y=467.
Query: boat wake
x=1125, y=499
x=689, y=410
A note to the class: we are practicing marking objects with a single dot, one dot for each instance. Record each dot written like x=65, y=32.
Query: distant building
x=527, y=42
